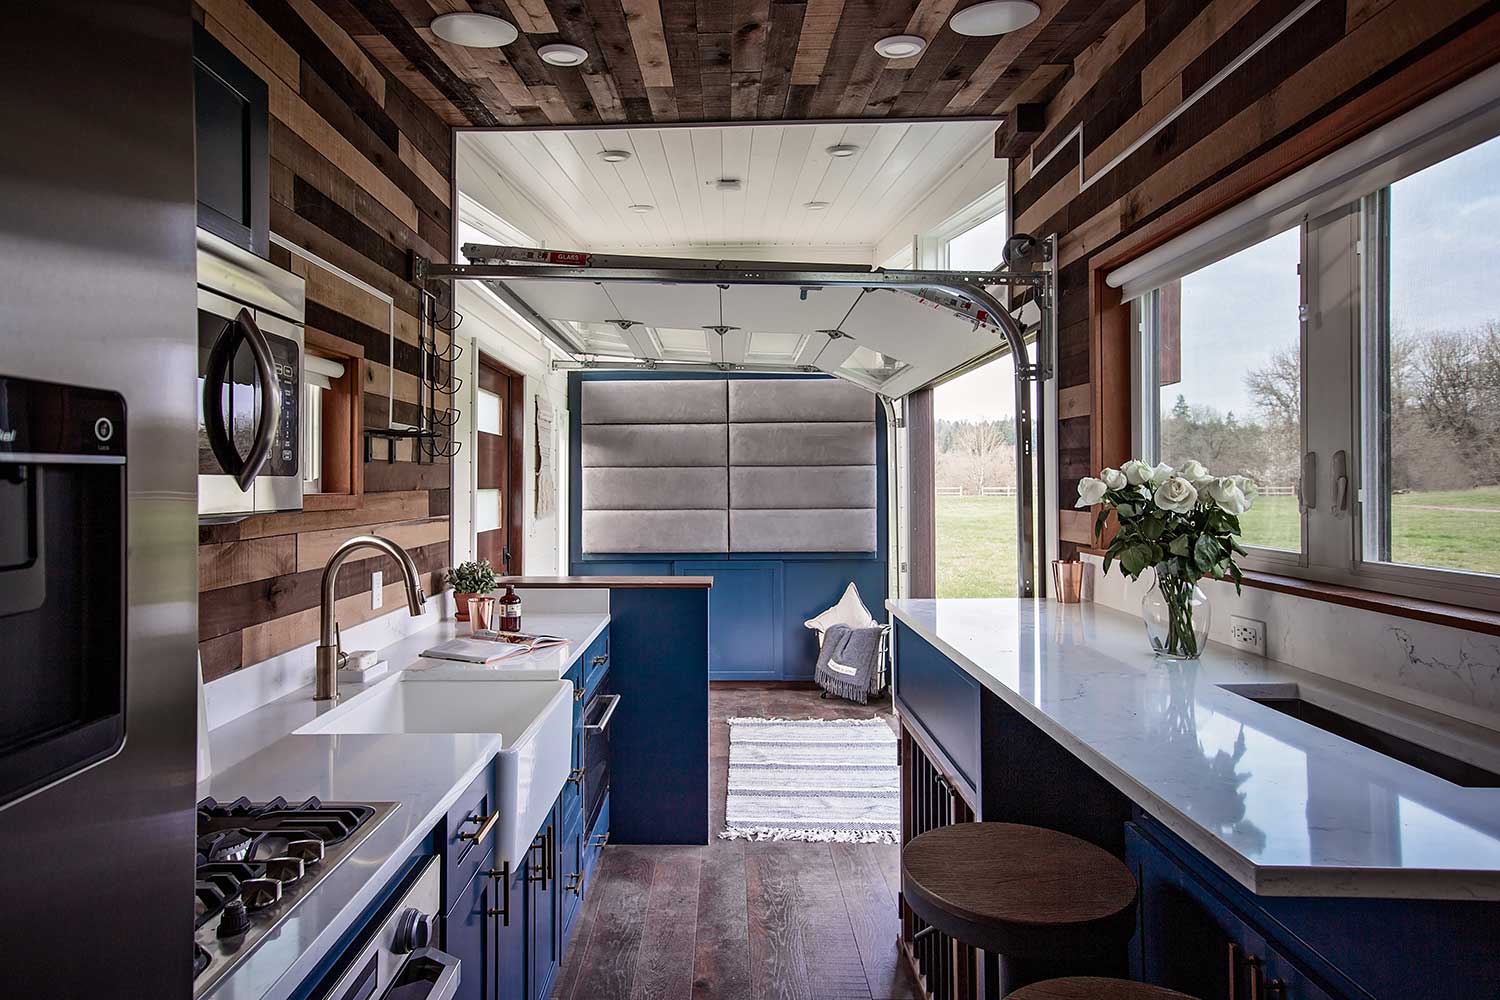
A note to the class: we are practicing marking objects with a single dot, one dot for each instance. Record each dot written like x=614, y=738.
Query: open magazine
x=491, y=647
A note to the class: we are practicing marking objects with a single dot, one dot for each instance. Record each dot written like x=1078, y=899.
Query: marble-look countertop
x=259, y=756
x=1283, y=807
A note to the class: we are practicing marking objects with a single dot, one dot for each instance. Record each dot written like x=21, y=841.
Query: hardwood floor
x=737, y=920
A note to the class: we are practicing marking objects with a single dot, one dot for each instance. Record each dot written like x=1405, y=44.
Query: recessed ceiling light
x=994, y=17
x=614, y=155
x=900, y=46
x=477, y=31
x=815, y=206
x=641, y=209
x=558, y=54
x=842, y=149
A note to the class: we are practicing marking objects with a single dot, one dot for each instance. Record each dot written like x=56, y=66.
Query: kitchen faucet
x=327, y=678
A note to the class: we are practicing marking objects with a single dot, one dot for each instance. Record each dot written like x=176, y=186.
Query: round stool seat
x=1019, y=891
x=1094, y=988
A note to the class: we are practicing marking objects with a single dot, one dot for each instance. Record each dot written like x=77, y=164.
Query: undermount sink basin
x=534, y=720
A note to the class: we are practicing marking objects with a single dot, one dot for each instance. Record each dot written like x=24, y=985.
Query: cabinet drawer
x=469, y=936
x=468, y=834
x=595, y=659
x=570, y=880
x=944, y=700
x=594, y=841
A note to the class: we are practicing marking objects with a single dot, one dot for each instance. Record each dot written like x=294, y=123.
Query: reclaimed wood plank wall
x=1083, y=180
x=359, y=176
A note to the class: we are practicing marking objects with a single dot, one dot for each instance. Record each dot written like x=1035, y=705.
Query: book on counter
x=492, y=647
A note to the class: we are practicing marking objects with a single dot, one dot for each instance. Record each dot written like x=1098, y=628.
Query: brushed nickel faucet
x=327, y=677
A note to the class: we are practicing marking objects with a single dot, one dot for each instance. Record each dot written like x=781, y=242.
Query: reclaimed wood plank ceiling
x=662, y=61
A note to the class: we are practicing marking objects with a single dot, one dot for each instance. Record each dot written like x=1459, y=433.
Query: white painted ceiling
x=780, y=169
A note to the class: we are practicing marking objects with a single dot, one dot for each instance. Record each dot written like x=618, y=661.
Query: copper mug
x=1067, y=580
x=481, y=614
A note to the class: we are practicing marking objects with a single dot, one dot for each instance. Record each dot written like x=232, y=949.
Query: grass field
x=1458, y=529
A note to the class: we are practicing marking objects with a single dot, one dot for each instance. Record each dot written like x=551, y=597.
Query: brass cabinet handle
x=575, y=883
x=1276, y=989
x=1254, y=965
x=486, y=827
x=578, y=693
x=1234, y=971
x=600, y=661
x=600, y=839
x=576, y=776
x=503, y=910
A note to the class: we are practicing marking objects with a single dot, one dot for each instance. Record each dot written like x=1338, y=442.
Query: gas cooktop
x=257, y=861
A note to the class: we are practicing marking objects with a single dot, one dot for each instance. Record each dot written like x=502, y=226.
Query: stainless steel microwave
x=250, y=357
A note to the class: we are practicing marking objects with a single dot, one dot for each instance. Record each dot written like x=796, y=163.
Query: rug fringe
x=810, y=836
x=871, y=723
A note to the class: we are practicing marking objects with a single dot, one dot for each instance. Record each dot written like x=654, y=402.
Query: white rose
x=1090, y=491
x=1137, y=473
x=1248, y=487
x=1114, y=479
x=1176, y=495
x=1196, y=473
x=1161, y=474
x=1227, y=494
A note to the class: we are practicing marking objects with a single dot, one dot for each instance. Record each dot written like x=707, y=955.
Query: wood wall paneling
x=360, y=166
x=1112, y=180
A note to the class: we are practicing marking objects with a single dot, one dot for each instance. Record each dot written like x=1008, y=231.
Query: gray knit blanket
x=849, y=662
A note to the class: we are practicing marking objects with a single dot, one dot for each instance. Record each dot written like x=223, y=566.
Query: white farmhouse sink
x=534, y=720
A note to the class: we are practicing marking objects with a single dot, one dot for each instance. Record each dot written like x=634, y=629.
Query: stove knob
x=413, y=931
x=235, y=919
x=286, y=870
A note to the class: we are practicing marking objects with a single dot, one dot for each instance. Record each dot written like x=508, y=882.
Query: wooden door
x=499, y=442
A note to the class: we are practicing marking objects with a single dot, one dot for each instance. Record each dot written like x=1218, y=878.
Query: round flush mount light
x=994, y=17
x=477, y=31
x=641, y=209
x=900, y=46
x=815, y=206
x=842, y=150
x=558, y=54
x=614, y=155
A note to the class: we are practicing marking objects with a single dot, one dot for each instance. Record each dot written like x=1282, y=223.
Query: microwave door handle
x=270, y=407
x=216, y=373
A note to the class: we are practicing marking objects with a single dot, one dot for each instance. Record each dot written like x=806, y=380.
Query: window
x=331, y=423
x=978, y=248
x=1350, y=364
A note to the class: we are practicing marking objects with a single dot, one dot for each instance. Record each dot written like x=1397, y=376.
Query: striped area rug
x=822, y=780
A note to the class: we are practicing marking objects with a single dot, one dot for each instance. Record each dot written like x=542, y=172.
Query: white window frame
x=1342, y=340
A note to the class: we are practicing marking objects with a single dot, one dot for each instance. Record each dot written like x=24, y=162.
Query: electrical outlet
x=377, y=589
x=1248, y=634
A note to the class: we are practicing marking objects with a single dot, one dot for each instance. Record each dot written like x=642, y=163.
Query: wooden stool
x=1094, y=988
x=1044, y=903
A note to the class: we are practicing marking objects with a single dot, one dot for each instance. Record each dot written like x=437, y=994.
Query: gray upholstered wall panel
x=655, y=531
x=651, y=445
x=845, y=443
x=657, y=489
x=651, y=402
x=772, y=487
x=783, y=400
x=802, y=530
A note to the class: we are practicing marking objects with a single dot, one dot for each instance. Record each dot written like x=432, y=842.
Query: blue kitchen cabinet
x=1192, y=939
x=744, y=613
x=543, y=952
x=486, y=931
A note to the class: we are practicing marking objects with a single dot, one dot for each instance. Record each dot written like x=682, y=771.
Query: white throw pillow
x=850, y=610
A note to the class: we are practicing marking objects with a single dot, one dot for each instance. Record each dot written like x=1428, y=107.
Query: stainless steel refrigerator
x=98, y=474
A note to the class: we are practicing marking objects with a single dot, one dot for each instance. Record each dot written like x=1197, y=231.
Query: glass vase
x=1177, y=615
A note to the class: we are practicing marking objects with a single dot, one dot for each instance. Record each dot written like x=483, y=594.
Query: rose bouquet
x=1183, y=523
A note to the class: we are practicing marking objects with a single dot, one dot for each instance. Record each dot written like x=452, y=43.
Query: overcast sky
x=1445, y=274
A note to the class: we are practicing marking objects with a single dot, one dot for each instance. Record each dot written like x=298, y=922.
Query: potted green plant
x=470, y=579
x=1184, y=524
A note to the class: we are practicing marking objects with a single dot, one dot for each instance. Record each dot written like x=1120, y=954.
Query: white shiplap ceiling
x=780, y=168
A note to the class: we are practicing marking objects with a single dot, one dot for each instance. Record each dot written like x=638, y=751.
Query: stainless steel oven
x=250, y=356
x=398, y=961
x=596, y=718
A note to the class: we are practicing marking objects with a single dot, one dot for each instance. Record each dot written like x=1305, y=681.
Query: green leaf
x=1135, y=560
x=1206, y=552
x=1179, y=546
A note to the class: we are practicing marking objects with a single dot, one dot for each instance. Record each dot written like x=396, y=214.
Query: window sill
x=1414, y=608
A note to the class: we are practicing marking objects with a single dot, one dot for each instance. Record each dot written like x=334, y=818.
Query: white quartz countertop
x=257, y=755
x=1283, y=807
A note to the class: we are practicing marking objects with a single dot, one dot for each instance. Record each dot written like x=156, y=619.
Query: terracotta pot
x=462, y=614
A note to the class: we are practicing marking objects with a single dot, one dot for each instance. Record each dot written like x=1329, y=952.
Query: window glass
x=974, y=423
x=1435, y=453
x=487, y=412
x=486, y=510
x=1229, y=379
x=979, y=248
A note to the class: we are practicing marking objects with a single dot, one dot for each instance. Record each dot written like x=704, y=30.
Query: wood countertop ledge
x=622, y=582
